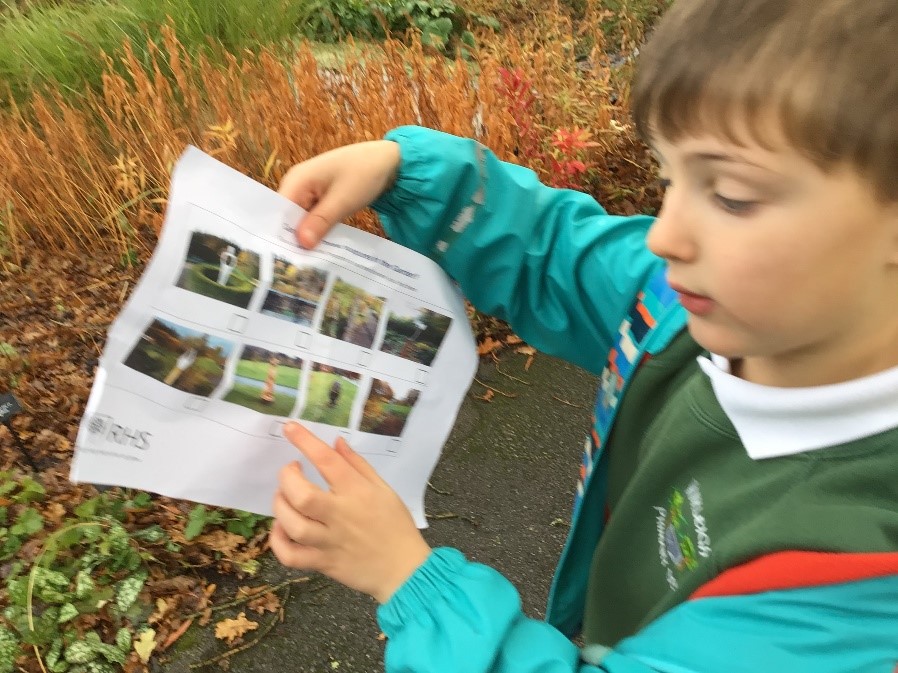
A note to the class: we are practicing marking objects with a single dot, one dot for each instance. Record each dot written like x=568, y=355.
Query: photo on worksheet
x=388, y=407
x=330, y=394
x=352, y=314
x=414, y=332
x=220, y=269
x=295, y=292
x=265, y=381
x=180, y=357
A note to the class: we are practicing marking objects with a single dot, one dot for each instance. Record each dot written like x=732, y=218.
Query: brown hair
x=826, y=69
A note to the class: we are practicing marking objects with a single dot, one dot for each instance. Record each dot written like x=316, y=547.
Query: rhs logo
x=105, y=427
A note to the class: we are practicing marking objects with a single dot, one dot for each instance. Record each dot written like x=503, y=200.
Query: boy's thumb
x=313, y=227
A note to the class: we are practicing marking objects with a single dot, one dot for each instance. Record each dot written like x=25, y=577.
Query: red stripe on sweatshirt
x=796, y=569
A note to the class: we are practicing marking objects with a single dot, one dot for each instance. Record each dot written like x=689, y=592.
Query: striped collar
x=774, y=422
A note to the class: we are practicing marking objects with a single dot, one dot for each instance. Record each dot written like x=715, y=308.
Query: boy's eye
x=735, y=207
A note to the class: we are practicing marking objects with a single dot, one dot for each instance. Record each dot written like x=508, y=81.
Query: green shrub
x=442, y=23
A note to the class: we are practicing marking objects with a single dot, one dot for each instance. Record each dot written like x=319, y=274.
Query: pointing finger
x=361, y=465
x=332, y=466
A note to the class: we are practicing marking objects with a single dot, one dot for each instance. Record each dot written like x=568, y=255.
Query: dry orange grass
x=90, y=177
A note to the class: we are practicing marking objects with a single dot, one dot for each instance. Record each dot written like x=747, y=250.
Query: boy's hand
x=339, y=183
x=358, y=533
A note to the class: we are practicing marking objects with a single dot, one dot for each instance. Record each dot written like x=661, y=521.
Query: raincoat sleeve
x=551, y=262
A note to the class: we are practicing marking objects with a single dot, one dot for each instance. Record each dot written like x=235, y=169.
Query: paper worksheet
x=233, y=330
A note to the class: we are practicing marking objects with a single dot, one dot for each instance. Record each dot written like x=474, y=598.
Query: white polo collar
x=774, y=422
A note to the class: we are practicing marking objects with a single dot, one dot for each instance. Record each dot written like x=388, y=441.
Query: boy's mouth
x=697, y=304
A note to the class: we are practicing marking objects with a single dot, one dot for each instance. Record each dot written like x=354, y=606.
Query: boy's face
x=790, y=272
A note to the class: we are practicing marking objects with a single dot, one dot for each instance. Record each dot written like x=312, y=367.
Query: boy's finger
x=291, y=554
x=301, y=529
x=321, y=218
x=301, y=494
x=331, y=465
x=361, y=465
x=312, y=228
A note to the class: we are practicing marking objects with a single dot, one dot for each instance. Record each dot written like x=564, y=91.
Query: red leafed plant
x=564, y=157
x=567, y=157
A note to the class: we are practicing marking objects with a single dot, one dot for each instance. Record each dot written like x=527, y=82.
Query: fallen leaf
x=267, y=603
x=162, y=607
x=528, y=363
x=488, y=345
x=381, y=636
x=487, y=396
x=513, y=339
x=247, y=591
x=222, y=541
x=54, y=512
x=206, y=617
x=145, y=644
x=177, y=633
x=232, y=629
x=173, y=585
x=526, y=350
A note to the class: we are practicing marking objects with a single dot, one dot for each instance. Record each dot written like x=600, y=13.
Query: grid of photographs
x=274, y=381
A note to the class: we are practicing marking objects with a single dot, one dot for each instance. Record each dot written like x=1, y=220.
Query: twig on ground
x=436, y=490
x=495, y=390
x=242, y=648
x=515, y=378
x=452, y=515
x=570, y=404
x=249, y=597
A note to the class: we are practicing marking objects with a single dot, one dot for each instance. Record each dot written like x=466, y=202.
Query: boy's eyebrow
x=728, y=158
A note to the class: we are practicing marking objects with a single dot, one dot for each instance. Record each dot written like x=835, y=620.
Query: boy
x=738, y=502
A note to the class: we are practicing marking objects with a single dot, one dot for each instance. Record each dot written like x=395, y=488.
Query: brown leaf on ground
x=54, y=513
x=177, y=633
x=487, y=396
x=488, y=345
x=246, y=591
x=270, y=602
x=231, y=629
x=526, y=350
x=180, y=584
x=162, y=608
x=206, y=617
x=222, y=541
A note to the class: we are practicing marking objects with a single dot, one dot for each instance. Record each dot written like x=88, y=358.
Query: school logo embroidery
x=682, y=533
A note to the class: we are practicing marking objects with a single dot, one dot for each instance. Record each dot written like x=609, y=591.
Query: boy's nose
x=670, y=237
